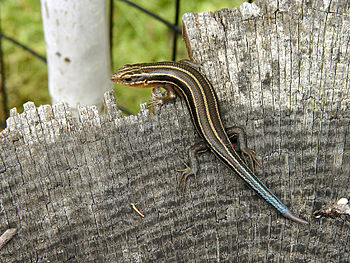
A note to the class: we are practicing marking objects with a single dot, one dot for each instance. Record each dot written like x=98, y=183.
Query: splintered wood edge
x=60, y=117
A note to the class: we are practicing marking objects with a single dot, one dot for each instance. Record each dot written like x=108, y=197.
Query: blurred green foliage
x=137, y=37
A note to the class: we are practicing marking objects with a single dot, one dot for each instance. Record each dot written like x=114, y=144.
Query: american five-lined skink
x=183, y=79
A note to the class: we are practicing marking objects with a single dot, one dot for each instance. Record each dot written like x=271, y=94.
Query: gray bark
x=281, y=70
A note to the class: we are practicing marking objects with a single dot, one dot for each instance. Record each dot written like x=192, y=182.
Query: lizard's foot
x=250, y=158
x=186, y=172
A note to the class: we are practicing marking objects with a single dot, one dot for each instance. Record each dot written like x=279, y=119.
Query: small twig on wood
x=335, y=210
x=7, y=236
x=135, y=208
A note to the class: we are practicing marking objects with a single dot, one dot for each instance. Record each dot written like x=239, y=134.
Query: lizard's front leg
x=159, y=101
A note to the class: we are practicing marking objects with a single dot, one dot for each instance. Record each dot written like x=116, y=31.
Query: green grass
x=137, y=38
x=26, y=76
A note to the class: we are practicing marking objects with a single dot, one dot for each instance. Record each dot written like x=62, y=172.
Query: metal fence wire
x=4, y=110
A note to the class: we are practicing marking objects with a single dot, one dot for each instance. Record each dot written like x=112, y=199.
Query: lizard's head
x=131, y=75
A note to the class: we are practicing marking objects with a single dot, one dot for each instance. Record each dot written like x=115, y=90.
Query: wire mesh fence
x=5, y=36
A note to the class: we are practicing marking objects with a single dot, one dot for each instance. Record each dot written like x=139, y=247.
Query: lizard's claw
x=252, y=159
x=154, y=103
x=186, y=172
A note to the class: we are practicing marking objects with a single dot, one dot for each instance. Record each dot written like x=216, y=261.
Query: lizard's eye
x=128, y=79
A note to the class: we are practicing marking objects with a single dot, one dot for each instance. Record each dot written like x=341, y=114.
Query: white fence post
x=77, y=46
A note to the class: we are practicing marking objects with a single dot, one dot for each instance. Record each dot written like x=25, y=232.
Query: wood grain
x=281, y=70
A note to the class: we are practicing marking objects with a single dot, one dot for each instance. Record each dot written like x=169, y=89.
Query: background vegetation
x=137, y=38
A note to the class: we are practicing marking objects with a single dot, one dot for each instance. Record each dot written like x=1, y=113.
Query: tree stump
x=71, y=187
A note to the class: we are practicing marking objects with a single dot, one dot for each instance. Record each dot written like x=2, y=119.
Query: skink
x=183, y=78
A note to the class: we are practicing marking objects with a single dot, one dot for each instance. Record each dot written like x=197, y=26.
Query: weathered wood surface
x=281, y=70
